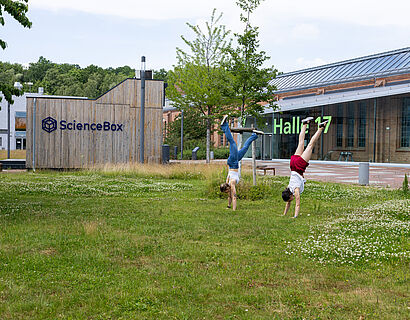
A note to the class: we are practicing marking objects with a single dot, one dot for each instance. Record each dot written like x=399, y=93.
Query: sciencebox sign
x=50, y=124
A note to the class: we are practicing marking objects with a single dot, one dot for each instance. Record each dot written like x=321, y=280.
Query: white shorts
x=233, y=175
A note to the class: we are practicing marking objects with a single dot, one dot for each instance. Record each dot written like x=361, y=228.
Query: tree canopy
x=250, y=85
x=64, y=79
x=198, y=82
x=17, y=9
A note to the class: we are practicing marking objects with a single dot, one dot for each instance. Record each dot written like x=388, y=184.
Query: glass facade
x=405, y=124
x=375, y=130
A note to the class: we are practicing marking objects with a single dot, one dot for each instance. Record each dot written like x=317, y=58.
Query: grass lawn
x=160, y=245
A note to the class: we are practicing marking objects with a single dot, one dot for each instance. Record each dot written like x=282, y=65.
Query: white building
x=17, y=120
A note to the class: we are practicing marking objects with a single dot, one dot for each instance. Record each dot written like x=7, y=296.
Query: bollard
x=175, y=152
x=194, y=151
x=364, y=173
x=165, y=154
x=211, y=155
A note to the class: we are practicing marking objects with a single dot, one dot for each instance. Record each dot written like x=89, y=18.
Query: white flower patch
x=90, y=185
x=375, y=233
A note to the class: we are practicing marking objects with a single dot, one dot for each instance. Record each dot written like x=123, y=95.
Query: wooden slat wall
x=62, y=149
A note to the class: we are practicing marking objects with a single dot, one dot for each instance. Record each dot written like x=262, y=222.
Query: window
x=350, y=125
x=339, y=126
x=405, y=124
x=1, y=141
x=362, y=125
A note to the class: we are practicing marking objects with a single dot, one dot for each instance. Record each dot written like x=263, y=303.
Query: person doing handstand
x=298, y=164
x=235, y=156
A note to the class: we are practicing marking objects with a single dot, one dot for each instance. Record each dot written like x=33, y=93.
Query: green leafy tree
x=65, y=79
x=198, y=82
x=194, y=129
x=250, y=85
x=161, y=74
x=37, y=70
x=18, y=10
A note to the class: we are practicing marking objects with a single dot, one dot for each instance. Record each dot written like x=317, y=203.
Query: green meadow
x=159, y=243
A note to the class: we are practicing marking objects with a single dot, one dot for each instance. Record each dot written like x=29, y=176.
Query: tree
x=250, y=85
x=38, y=70
x=17, y=9
x=198, y=81
x=194, y=129
x=161, y=74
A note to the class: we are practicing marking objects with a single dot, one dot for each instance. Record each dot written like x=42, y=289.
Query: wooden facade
x=82, y=133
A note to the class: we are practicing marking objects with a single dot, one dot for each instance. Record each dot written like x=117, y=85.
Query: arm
x=233, y=195
x=287, y=206
x=297, y=199
x=229, y=199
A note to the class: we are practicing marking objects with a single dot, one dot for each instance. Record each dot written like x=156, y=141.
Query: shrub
x=246, y=190
x=405, y=184
x=214, y=181
x=266, y=188
x=221, y=153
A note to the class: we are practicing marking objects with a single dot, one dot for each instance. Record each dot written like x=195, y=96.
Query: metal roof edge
x=339, y=63
x=347, y=80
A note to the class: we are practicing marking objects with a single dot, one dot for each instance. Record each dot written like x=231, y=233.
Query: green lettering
x=288, y=128
x=279, y=126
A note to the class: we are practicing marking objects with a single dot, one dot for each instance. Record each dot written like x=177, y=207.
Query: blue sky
x=295, y=34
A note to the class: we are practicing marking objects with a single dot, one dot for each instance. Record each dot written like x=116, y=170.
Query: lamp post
x=388, y=132
x=18, y=86
x=142, y=118
x=182, y=134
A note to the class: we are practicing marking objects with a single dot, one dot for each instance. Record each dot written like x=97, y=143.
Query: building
x=17, y=122
x=73, y=132
x=367, y=101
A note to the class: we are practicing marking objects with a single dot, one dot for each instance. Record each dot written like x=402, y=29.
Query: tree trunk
x=208, y=140
x=254, y=162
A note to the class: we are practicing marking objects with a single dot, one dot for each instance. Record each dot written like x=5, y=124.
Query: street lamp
x=388, y=131
x=142, y=117
x=18, y=86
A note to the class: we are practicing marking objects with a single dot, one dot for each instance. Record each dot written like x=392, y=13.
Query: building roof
x=365, y=68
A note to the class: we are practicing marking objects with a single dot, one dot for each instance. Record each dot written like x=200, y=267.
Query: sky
x=296, y=34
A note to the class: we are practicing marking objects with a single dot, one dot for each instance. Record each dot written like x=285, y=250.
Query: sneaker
x=257, y=131
x=224, y=119
x=307, y=120
x=323, y=124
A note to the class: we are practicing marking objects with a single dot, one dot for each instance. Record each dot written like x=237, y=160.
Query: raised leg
x=246, y=145
x=307, y=154
x=301, y=144
x=233, y=149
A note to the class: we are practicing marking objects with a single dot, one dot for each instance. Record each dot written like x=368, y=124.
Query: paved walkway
x=386, y=175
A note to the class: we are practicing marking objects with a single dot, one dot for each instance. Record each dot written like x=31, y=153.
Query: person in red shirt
x=298, y=164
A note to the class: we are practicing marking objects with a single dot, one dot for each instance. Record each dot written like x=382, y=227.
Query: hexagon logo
x=49, y=124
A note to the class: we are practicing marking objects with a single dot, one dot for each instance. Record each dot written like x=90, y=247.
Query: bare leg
x=307, y=154
x=301, y=144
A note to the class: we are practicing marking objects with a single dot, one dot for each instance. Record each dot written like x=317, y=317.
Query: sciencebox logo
x=50, y=124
